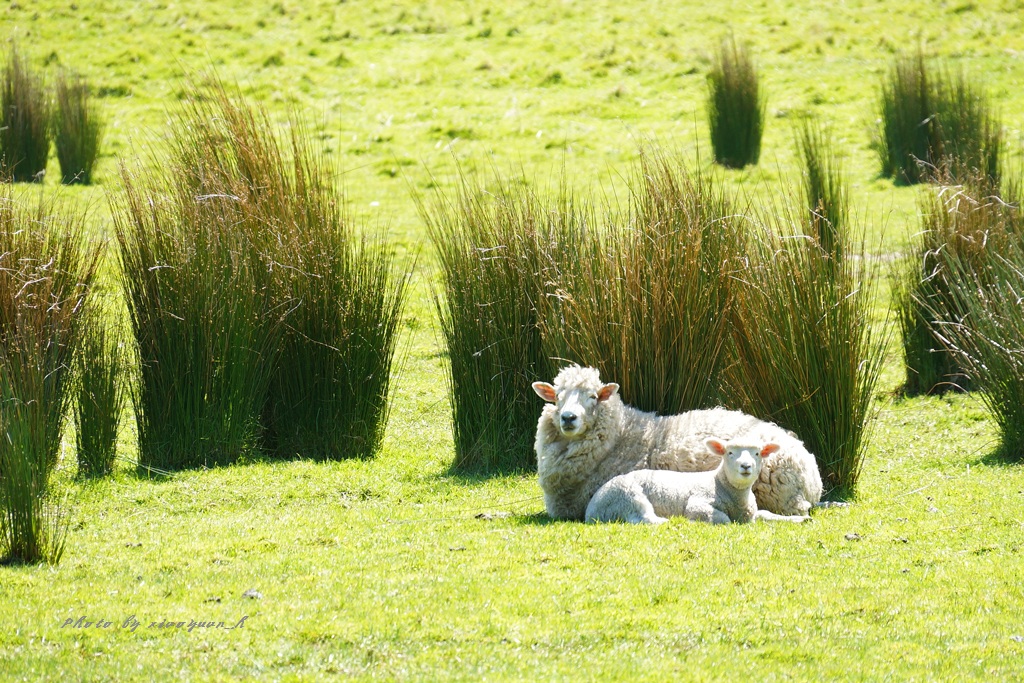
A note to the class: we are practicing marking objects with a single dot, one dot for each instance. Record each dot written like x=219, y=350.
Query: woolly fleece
x=618, y=438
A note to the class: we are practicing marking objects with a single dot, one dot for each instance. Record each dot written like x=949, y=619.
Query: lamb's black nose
x=568, y=418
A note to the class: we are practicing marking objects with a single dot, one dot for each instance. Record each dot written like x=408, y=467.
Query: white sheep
x=586, y=436
x=719, y=497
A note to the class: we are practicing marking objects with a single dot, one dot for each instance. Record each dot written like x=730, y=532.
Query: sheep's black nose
x=568, y=418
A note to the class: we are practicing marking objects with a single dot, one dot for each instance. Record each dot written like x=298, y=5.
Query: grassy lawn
x=395, y=568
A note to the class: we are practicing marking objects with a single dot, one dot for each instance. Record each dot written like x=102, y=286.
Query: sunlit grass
x=380, y=569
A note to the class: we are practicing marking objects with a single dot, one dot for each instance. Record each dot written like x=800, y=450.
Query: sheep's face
x=742, y=461
x=575, y=404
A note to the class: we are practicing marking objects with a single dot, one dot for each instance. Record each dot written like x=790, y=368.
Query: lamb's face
x=576, y=402
x=742, y=462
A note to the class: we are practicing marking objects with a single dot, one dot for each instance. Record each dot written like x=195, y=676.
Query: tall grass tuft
x=244, y=277
x=965, y=230
x=338, y=294
x=102, y=379
x=736, y=107
x=24, y=121
x=986, y=337
x=935, y=125
x=194, y=270
x=77, y=129
x=648, y=300
x=46, y=271
x=825, y=191
x=529, y=284
x=200, y=319
x=490, y=247
x=330, y=394
x=806, y=353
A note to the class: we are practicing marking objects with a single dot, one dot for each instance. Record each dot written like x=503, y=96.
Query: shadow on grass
x=537, y=519
x=837, y=497
x=1003, y=456
x=464, y=476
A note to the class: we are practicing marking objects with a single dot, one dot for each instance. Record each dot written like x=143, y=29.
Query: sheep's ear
x=545, y=391
x=607, y=391
x=715, y=446
x=769, y=448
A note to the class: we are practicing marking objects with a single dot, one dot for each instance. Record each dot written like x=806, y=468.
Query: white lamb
x=718, y=497
x=586, y=436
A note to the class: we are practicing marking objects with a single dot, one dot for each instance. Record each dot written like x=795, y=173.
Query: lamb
x=719, y=497
x=586, y=435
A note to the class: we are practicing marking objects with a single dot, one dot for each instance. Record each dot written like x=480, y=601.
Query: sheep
x=586, y=435
x=719, y=497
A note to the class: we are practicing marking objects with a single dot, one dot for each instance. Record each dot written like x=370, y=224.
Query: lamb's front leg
x=767, y=516
x=701, y=510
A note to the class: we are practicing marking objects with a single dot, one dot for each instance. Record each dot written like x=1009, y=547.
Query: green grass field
x=394, y=568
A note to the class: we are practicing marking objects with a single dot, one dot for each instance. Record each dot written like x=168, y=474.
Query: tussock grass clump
x=649, y=302
x=987, y=339
x=492, y=251
x=966, y=256
x=260, y=317
x=527, y=286
x=102, y=368
x=736, y=107
x=337, y=294
x=77, y=129
x=935, y=125
x=330, y=393
x=825, y=191
x=201, y=320
x=46, y=271
x=806, y=354
x=200, y=298
x=24, y=121
x=959, y=227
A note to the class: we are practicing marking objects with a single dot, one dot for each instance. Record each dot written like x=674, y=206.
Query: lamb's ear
x=715, y=446
x=607, y=391
x=545, y=391
x=769, y=448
